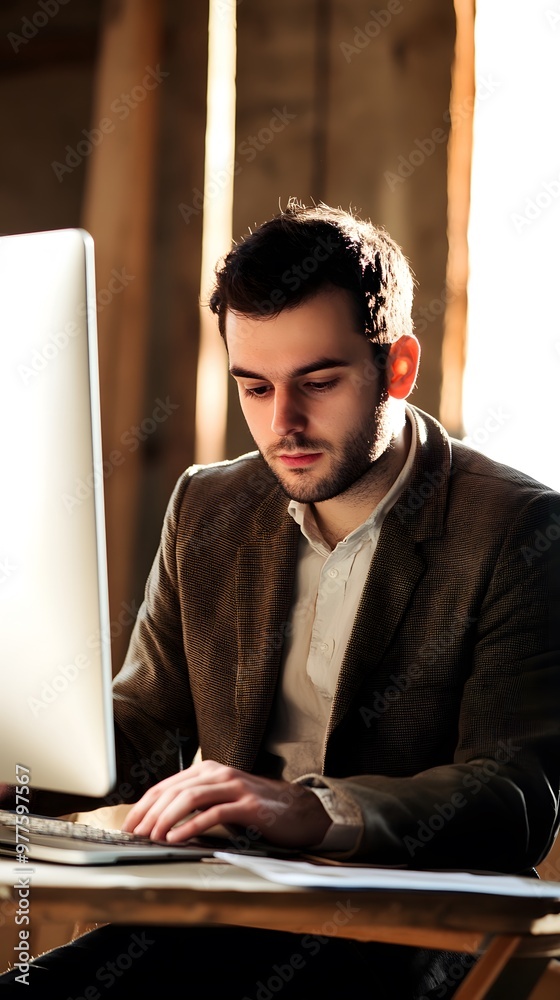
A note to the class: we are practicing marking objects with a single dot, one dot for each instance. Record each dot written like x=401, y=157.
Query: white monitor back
x=55, y=672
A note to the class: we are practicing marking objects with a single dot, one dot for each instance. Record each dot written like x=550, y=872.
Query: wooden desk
x=213, y=892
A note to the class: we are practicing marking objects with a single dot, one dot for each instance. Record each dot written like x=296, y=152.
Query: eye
x=322, y=386
x=256, y=392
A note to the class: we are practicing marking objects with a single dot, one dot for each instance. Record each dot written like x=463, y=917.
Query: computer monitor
x=55, y=704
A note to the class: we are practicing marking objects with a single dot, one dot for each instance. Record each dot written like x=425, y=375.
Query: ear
x=402, y=366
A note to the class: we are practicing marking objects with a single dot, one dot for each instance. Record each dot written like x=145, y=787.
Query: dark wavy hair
x=304, y=250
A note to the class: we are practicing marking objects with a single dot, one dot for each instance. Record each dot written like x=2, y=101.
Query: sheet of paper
x=211, y=876
x=306, y=874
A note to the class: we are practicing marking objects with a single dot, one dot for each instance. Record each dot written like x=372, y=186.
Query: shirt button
x=333, y=573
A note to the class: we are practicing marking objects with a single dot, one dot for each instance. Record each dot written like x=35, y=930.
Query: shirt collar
x=303, y=516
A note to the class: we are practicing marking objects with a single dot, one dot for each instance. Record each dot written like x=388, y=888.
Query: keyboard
x=65, y=828
x=46, y=839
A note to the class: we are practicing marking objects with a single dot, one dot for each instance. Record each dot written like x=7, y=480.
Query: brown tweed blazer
x=445, y=725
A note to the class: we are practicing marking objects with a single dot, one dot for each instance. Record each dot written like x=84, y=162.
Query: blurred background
x=166, y=129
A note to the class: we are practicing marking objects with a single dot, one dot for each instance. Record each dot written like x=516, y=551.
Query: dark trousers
x=230, y=963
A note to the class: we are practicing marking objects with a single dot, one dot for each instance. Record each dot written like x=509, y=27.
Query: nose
x=288, y=416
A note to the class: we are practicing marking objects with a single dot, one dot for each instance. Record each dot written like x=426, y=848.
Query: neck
x=337, y=517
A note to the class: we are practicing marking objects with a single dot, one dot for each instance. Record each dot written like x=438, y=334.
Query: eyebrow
x=320, y=364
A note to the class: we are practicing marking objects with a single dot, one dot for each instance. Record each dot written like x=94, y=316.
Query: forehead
x=323, y=327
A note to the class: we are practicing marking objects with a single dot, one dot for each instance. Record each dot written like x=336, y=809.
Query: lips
x=299, y=461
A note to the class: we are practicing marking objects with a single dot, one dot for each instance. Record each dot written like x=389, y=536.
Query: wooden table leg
x=488, y=968
x=519, y=979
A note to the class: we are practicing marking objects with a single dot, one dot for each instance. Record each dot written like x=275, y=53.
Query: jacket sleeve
x=496, y=806
x=155, y=723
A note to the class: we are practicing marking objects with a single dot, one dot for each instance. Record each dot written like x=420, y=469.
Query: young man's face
x=313, y=400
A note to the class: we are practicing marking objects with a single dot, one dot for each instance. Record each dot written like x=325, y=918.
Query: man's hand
x=285, y=814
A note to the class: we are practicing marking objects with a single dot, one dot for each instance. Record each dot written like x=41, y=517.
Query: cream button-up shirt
x=328, y=588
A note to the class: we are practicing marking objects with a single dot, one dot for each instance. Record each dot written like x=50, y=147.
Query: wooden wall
x=365, y=100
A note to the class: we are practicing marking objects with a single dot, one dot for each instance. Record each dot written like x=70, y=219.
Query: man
x=357, y=624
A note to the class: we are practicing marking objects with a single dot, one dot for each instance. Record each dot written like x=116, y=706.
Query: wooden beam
x=459, y=189
x=118, y=214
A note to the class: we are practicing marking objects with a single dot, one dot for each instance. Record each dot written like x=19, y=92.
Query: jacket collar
x=423, y=502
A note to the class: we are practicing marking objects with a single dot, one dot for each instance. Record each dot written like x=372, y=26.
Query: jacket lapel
x=398, y=563
x=266, y=569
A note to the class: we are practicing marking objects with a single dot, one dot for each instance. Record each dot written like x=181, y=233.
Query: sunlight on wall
x=512, y=378
x=212, y=376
